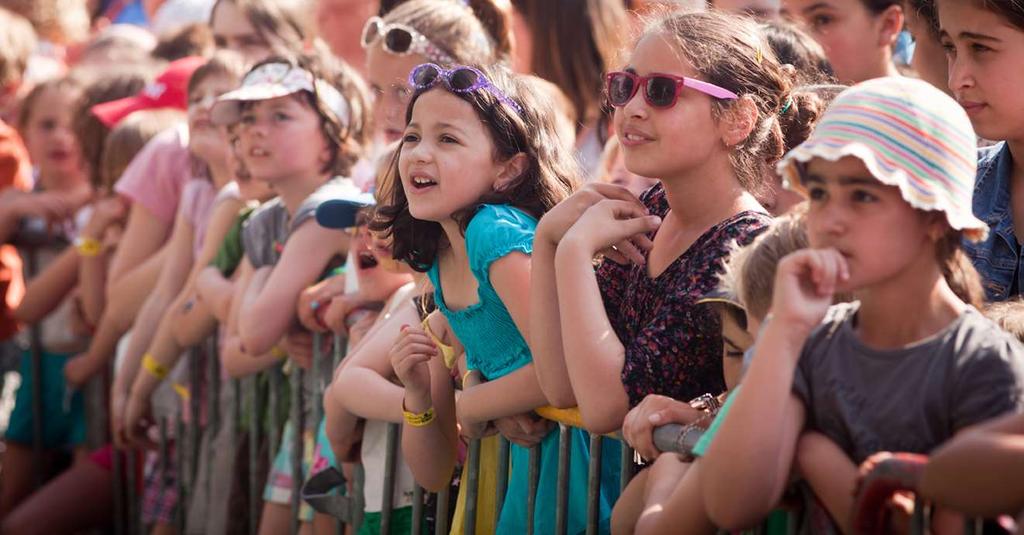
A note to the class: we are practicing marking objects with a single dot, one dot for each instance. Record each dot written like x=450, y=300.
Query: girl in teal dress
x=480, y=162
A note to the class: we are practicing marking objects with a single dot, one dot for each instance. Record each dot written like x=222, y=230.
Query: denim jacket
x=1000, y=258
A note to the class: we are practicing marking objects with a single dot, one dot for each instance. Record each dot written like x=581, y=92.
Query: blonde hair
x=1009, y=316
x=750, y=271
x=17, y=41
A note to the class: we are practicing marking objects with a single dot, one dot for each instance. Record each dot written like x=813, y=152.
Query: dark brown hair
x=729, y=51
x=575, y=42
x=192, y=40
x=958, y=270
x=89, y=130
x=473, y=34
x=793, y=47
x=223, y=63
x=878, y=6
x=1011, y=10
x=550, y=175
x=346, y=142
x=927, y=11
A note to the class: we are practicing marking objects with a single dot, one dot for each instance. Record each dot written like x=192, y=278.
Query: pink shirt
x=158, y=173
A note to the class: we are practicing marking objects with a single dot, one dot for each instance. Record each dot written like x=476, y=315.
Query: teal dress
x=495, y=347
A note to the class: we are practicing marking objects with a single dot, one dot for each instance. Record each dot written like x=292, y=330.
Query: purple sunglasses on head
x=458, y=79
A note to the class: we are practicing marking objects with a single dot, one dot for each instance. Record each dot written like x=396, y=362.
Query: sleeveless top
x=493, y=343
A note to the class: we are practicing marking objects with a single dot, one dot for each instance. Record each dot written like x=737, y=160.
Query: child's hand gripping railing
x=886, y=476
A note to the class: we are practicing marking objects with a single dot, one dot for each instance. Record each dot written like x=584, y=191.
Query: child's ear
x=511, y=169
x=890, y=24
x=738, y=121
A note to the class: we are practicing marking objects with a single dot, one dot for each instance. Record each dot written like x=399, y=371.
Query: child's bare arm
x=672, y=500
x=269, y=314
x=979, y=472
x=48, y=289
x=144, y=234
x=831, y=475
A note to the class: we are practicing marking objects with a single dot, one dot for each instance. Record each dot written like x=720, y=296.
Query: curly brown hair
x=550, y=176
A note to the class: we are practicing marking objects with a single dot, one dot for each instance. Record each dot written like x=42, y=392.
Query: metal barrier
x=181, y=442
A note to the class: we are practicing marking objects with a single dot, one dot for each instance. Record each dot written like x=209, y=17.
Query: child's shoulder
x=497, y=221
x=979, y=338
x=497, y=230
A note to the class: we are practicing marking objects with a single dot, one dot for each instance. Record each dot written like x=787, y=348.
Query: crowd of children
x=775, y=224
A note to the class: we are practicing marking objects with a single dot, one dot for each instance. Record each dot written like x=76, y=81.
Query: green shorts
x=63, y=416
x=401, y=522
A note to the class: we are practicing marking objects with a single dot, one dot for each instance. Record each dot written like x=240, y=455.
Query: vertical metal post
x=441, y=524
x=472, y=480
x=390, y=468
x=594, y=485
x=628, y=469
x=195, y=379
x=255, y=486
x=503, y=452
x=336, y=355
x=132, y=495
x=316, y=375
x=562, y=489
x=119, y=506
x=298, y=444
x=973, y=526
x=274, y=399
x=36, y=367
x=417, y=510
x=358, y=500
x=180, y=450
x=531, y=496
x=918, y=523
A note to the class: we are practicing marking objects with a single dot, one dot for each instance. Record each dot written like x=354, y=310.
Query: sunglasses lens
x=621, y=88
x=464, y=80
x=661, y=91
x=398, y=40
x=424, y=76
x=371, y=32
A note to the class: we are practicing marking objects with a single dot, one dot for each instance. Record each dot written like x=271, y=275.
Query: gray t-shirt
x=266, y=231
x=910, y=399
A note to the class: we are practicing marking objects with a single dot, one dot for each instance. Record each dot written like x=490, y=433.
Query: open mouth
x=366, y=260
x=258, y=152
x=421, y=182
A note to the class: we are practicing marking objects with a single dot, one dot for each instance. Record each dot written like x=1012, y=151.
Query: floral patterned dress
x=673, y=346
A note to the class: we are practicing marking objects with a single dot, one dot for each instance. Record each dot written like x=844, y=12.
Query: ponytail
x=958, y=270
x=495, y=21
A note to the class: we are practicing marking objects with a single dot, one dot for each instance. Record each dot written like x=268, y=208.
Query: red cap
x=169, y=90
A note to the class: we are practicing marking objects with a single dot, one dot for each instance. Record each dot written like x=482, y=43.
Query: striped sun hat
x=909, y=135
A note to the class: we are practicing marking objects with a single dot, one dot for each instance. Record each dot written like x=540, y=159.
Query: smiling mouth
x=258, y=152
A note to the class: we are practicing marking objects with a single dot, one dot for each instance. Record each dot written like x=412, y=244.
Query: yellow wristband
x=88, y=247
x=278, y=353
x=153, y=367
x=465, y=376
x=418, y=420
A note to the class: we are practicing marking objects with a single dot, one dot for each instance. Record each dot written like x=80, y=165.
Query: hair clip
x=786, y=106
x=759, y=57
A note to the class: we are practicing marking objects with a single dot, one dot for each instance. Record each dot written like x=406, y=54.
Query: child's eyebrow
x=815, y=7
x=450, y=126
x=858, y=181
x=977, y=36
